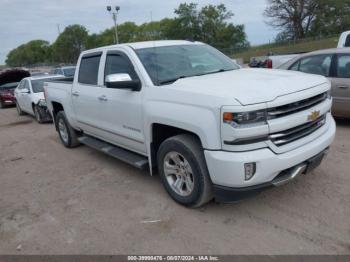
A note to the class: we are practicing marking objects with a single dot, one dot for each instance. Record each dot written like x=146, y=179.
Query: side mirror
x=25, y=91
x=122, y=81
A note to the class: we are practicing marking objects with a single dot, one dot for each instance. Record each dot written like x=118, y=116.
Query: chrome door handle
x=75, y=93
x=102, y=98
x=343, y=87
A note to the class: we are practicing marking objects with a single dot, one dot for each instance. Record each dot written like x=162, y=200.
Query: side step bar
x=134, y=159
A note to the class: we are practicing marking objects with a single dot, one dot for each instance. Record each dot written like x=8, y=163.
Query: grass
x=304, y=46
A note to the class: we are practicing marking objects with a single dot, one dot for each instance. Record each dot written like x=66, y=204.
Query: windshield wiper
x=172, y=80
x=216, y=71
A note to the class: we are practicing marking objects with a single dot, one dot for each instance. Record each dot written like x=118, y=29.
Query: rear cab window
x=89, y=68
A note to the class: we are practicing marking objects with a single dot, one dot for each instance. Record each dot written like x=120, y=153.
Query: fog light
x=249, y=169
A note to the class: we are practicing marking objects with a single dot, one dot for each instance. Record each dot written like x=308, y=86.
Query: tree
x=187, y=22
x=33, y=52
x=210, y=25
x=69, y=44
x=293, y=17
x=297, y=19
x=216, y=31
x=332, y=17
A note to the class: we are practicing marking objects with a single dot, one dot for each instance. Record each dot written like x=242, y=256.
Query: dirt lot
x=59, y=201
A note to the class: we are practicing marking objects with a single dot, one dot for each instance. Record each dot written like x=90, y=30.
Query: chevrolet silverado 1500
x=210, y=128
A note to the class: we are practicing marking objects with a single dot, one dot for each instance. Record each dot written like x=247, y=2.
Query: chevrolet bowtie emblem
x=313, y=116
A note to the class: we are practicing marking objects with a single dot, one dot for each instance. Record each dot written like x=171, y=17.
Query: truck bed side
x=59, y=96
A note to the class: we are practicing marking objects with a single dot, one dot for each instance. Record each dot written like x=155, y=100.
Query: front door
x=121, y=109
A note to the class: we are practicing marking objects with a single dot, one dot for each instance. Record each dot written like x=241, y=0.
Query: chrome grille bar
x=297, y=106
x=290, y=135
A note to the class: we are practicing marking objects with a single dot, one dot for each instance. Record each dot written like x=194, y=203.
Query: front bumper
x=44, y=113
x=227, y=194
x=226, y=169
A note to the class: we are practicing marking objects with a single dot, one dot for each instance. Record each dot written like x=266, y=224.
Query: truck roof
x=331, y=51
x=146, y=44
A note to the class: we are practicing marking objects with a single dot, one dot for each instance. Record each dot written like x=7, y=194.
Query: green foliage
x=70, y=43
x=208, y=24
x=35, y=51
x=332, y=17
x=297, y=19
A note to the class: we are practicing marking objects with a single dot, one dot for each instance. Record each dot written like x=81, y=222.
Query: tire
x=2, y=105
x=195, y=187
x=19, y=110
x=66, y=133
x=37, y=114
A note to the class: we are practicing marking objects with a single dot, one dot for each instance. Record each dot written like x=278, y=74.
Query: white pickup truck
x=210, y=128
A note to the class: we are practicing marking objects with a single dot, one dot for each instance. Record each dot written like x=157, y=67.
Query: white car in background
x=30, y=97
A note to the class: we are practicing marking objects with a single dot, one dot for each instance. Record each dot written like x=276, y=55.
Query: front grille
x=295, y=107
x=295, y=133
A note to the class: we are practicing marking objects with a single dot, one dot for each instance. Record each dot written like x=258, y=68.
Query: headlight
x=42, y=102
x=245, y=119
x=329, y=94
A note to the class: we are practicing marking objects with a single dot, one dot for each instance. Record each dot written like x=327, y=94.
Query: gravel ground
x=59, y=201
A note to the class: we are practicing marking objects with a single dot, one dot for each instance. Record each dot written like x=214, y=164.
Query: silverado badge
x=313, y=116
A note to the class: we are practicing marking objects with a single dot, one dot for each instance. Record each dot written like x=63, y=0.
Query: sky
x=25, y=20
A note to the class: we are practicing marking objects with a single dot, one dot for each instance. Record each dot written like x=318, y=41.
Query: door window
x=21, y=85
x=26, y=85
x=343, y=67
x=88, y=72
x=119, y=64
x=318, y=65
x=295, y=66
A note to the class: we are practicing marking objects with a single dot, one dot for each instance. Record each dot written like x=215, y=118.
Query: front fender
x=203, y=121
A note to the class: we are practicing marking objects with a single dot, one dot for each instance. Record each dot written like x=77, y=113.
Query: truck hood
x=250, y=86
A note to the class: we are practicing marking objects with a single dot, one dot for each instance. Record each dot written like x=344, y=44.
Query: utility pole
x=114, y=11
x=58, y=29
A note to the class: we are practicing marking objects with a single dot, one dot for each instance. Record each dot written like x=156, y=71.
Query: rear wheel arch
x=56, y=108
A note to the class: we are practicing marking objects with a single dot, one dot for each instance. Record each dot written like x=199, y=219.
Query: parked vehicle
x=271, y=61
x=30, y=97
x=66, y=71
x=211, y=128
x=333, y=64
x=8, y=82
x=344, y=40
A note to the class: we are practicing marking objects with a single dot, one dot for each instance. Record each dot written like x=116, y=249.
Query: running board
x=134, y=159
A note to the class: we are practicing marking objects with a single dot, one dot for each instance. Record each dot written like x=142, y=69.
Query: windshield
x=69, y=72
x=169, y=63
x=38, y=85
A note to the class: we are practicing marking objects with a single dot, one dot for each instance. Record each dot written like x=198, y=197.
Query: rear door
x=341, y=85
x=86, y=92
